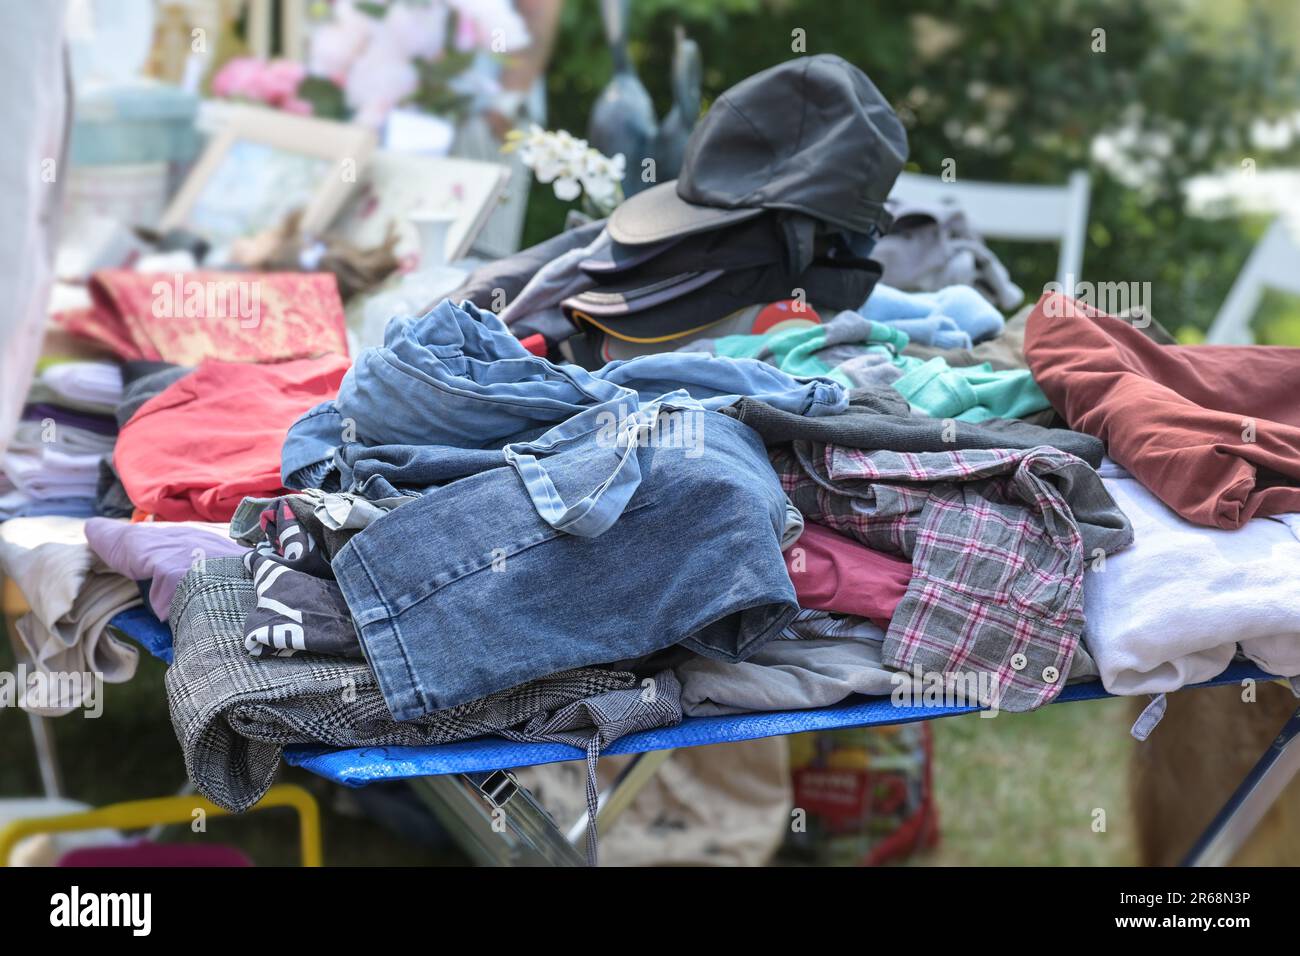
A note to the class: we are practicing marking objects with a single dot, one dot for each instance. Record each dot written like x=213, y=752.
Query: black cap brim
x=659, y=213
x=616, y=258
x=635, y=310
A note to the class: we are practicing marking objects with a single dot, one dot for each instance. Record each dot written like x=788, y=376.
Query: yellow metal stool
x=138, y=814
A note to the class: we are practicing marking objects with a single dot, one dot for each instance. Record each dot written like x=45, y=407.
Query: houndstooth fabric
x=998, y=540
x=656, y=703
x=233, y=714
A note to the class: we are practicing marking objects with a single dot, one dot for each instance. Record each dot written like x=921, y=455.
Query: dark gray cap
x=811, y=135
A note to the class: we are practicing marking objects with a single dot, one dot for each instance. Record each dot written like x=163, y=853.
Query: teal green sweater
x=970, y=394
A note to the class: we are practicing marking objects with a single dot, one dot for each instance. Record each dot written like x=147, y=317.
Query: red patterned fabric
x=186, y=317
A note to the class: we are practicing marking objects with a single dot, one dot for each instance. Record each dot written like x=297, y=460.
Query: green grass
x=1021, y=789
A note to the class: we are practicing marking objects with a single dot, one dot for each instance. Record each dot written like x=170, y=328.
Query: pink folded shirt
x=161, y=552
x=834, y=573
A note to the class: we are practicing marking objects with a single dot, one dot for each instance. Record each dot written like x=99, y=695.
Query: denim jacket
x=457, y=379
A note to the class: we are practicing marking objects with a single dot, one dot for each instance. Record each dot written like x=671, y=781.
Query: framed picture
x=261, y=165
x=399, y=184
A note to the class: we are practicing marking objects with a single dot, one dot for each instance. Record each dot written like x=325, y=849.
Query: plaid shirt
x=996, y=545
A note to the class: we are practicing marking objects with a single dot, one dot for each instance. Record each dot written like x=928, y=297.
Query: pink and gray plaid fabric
x=998, y=540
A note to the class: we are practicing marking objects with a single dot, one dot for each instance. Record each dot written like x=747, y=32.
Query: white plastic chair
x=1274, y=263
x=1020, y=213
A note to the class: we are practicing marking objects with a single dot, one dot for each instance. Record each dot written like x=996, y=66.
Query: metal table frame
x=1234, y=824
x=499, y=823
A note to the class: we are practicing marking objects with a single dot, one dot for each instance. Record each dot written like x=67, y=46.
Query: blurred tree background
x=1144, y=94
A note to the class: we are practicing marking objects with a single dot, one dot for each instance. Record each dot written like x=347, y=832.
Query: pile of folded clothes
x=51, y=465
x=165, y=403
x=749, y=508
x=1204, y=458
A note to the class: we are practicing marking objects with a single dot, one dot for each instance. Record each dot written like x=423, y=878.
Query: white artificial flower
x=531, y=143
x=548, y=159
x=548, y=168
x=334, y=47
x=617, y=165
x=598, y=179
x=571, y=166
x=601, y=190
x=378, y=81
x=568, y=146
x=567, y=188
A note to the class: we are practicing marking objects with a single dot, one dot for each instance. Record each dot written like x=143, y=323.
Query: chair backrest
x=1021, y=213
x=1274, y=263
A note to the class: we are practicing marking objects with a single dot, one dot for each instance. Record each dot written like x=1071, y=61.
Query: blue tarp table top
x=142, y=626
x=359, y=766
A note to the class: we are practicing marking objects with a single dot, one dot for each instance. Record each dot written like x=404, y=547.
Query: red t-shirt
x=196, y=449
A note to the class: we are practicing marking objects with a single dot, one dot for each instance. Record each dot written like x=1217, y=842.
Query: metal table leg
x=47, y=759
x=499, y=823
x=496, y=821
x=1245, y=808
x=15, y=605
x=612, y=802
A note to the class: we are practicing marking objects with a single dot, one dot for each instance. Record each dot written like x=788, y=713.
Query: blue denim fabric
x=307, y=456
x=717, y=382
x=612, y=442
x=457, y=377
x=374, y=472
x=495, y=595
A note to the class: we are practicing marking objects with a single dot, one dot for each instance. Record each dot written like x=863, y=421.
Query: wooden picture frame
x=261, y=164
x=398, y=184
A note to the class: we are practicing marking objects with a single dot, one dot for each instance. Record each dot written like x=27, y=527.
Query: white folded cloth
x=1174, y=608
x=86, y=383
x=61, y=461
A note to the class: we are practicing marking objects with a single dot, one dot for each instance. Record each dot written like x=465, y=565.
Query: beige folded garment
x=63, y=638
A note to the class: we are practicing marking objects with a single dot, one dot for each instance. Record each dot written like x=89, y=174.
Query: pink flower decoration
x=278, y=82
x=274, y=84
x=237, y=78
x=466, y=34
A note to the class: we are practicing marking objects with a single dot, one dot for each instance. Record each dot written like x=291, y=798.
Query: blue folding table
x=469, y=784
